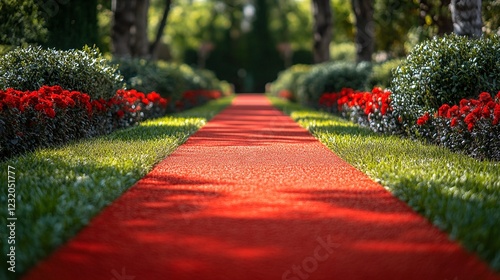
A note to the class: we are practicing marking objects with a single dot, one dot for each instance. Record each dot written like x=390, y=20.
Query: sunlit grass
x=458, y=194
x=59, y=190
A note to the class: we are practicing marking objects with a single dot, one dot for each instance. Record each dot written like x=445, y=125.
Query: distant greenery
x=456, y=193
x=332, y=77
x=170, y=80
x=58, y=191
x=22, y=22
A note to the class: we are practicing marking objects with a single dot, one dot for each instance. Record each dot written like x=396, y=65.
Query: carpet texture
x=254, y=196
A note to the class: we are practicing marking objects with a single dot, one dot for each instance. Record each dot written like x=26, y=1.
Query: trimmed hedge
x=288, y=82
x=332, y=77
x=444, y=71
x=170, y=80
x=86, y=70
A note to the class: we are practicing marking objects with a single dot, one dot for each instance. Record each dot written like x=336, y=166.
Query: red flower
x=485, y=97
x=50, y=112
x=153, y=97
x=163, y=103
x=452, y=112
x=496, y=114
x=39, y=107
x=464, y=110
x=443, y=110
x=497, y=97
x=453, y=122
x=486, y=113
x=120, y=114
x=474, y=102
x=145, y=101
x=423, y=119
x=464, y=102
x=470, y=120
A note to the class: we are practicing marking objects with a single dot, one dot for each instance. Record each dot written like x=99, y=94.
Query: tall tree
x=161, y=27
x=140, y=48
x=123, y=21
x=365, y=29
x=466, y=15
x=322, y=30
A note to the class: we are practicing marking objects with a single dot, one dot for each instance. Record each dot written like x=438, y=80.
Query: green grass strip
x=458, y=194
x=59, y=190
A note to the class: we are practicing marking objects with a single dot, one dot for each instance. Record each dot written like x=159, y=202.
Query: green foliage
x=382, y=73
x=290, y=80
x=170, y=80
x=445, y=70
x=29, y=68
x=343, y=52
x=60, y=190
x=332, y=77
x=147, y=76
x=21, y=22
x=456, y=193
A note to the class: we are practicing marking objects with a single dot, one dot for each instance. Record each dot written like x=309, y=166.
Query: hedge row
x=49, y=97
x=449, y=71
x=305, y=83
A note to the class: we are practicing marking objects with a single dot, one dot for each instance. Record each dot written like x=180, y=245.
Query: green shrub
x=30, y=68
x=147, y=76
x=343, y=52
x=170, y=80
x=332, y=77
x=444, y=70
x=383, y=73
x=289, y=80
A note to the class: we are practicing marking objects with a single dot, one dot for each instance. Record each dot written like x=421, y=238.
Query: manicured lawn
x=59, y=190
x=458, y=194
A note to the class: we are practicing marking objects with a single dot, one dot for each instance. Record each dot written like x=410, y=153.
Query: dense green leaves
x=332, y=77
x=86, y=70
x=445, y=70
x=21, y=22
x=168, y=79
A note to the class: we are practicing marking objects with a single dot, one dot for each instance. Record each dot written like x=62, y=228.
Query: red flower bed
x=469, y=112
x=472, y=126
x=52, y=115
x=372, y=109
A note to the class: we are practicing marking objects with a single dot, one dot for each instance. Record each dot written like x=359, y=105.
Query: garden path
x=254, y=196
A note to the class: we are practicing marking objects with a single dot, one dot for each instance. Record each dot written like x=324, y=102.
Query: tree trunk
x=123, y=21
x=141, y=46
x=466, y=16
x=161, y=28
x=365, y=29
x=322, y=15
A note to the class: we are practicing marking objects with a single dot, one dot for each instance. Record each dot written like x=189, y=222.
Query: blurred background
x=246, y=42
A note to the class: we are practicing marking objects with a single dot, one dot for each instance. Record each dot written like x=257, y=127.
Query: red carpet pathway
x=254, y=196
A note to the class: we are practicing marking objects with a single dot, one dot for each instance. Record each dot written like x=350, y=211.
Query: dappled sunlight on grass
x=457, y=193
x=60, y=189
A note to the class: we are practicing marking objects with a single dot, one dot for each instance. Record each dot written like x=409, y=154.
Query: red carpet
x=254, y=196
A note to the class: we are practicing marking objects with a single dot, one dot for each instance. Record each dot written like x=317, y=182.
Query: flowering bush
x=192, y=98
x=52, y=116
x=472, y=126
x=372, y=109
